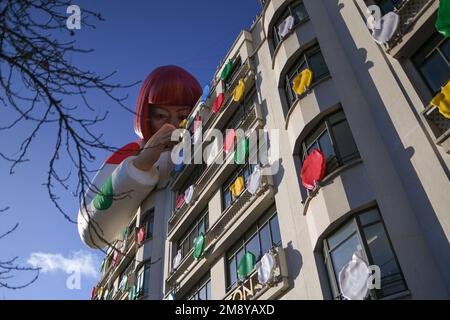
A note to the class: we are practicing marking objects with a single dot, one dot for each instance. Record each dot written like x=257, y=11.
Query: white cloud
x=80, y=261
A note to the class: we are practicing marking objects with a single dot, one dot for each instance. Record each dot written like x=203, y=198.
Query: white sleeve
x=116, y=202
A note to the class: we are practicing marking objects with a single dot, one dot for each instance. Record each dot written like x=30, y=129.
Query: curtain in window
x=442, y=101
x=302, y=81
x=385, y=29
x=443, y=18
x=285, y=26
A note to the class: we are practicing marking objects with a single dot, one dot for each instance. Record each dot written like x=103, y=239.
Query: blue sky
x=134, y=39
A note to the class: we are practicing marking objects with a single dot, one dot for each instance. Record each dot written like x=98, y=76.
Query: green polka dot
x=104, y=199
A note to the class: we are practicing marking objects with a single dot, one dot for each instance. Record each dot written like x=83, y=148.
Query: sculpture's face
x=159, y=115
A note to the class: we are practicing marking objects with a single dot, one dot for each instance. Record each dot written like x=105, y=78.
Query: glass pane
x=336, y=117
x=250, y=232
x=343, y=254
x=185, y=247
x=275, y=228
x=383, y=256
x=435, y=71
x=266, y=242
x=386, y=5
x=146, y=280
x=312, y=147
x=201, y=227
x=369, y=217
x=253, y=246
x=150, y=228
x=202, y=293
x=231, y=268
x=227, y=199
x=299, y=12
x=317, y=64
x=326, y=146
x=208, y=290
x=344, y=139
x=445, y=48
x=341, y=234
x=192, y=236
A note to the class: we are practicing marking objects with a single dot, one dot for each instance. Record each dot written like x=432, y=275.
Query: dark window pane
x=201, y=227
x=202, y=294
x=253, y=246
x=266, y=242
x=232, y=277
x=227, y=199
x=318, y=65
x=382, y=255
x=344, y=139
x=369, y=217
x=386, y=5
x=435, y=71
x=299, y=12
x=445, y=48
x=275, y=228
x=343, y=253
x=208, y=290
x=326, y=146
x=341, y=234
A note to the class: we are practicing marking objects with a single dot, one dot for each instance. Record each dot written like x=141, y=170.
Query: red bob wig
x=166, y=85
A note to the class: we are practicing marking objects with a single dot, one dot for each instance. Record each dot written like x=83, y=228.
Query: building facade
x=387, y=151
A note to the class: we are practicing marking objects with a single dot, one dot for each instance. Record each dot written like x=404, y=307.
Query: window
x=242, y=110
x=364, y=233
x=193, y=177
x=312, y=59
x=234, y=71
x=388, y=5
x=200, y=225
x=148, y=223
x=433, y=62
x=244, y=170
x=296, y=10
x=143, y=280
x=123, y=280
x=334, y=138
x=201, y=291
x=259, y=239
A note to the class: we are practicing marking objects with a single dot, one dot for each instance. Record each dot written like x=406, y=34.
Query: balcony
x=251, y=289
x=409, y=11
x=236, y=210
x=439, y=125
x=252, y=121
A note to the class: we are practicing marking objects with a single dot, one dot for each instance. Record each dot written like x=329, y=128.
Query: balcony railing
x=409, y=12
x=438, y=124
x=229, y=216
x=243, y=73
x=253, y=289
x=248, y=122
x=235, y=210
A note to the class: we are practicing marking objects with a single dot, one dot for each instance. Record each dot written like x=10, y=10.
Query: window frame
x=337, y=160
x=374, y=294
x=141, y=290
x=203, y=217
x=301, y=63
x=225, y=190
x=276, y=39
x=432, y=45
x=149, y=216
x=265, y=219
x=204, y=283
